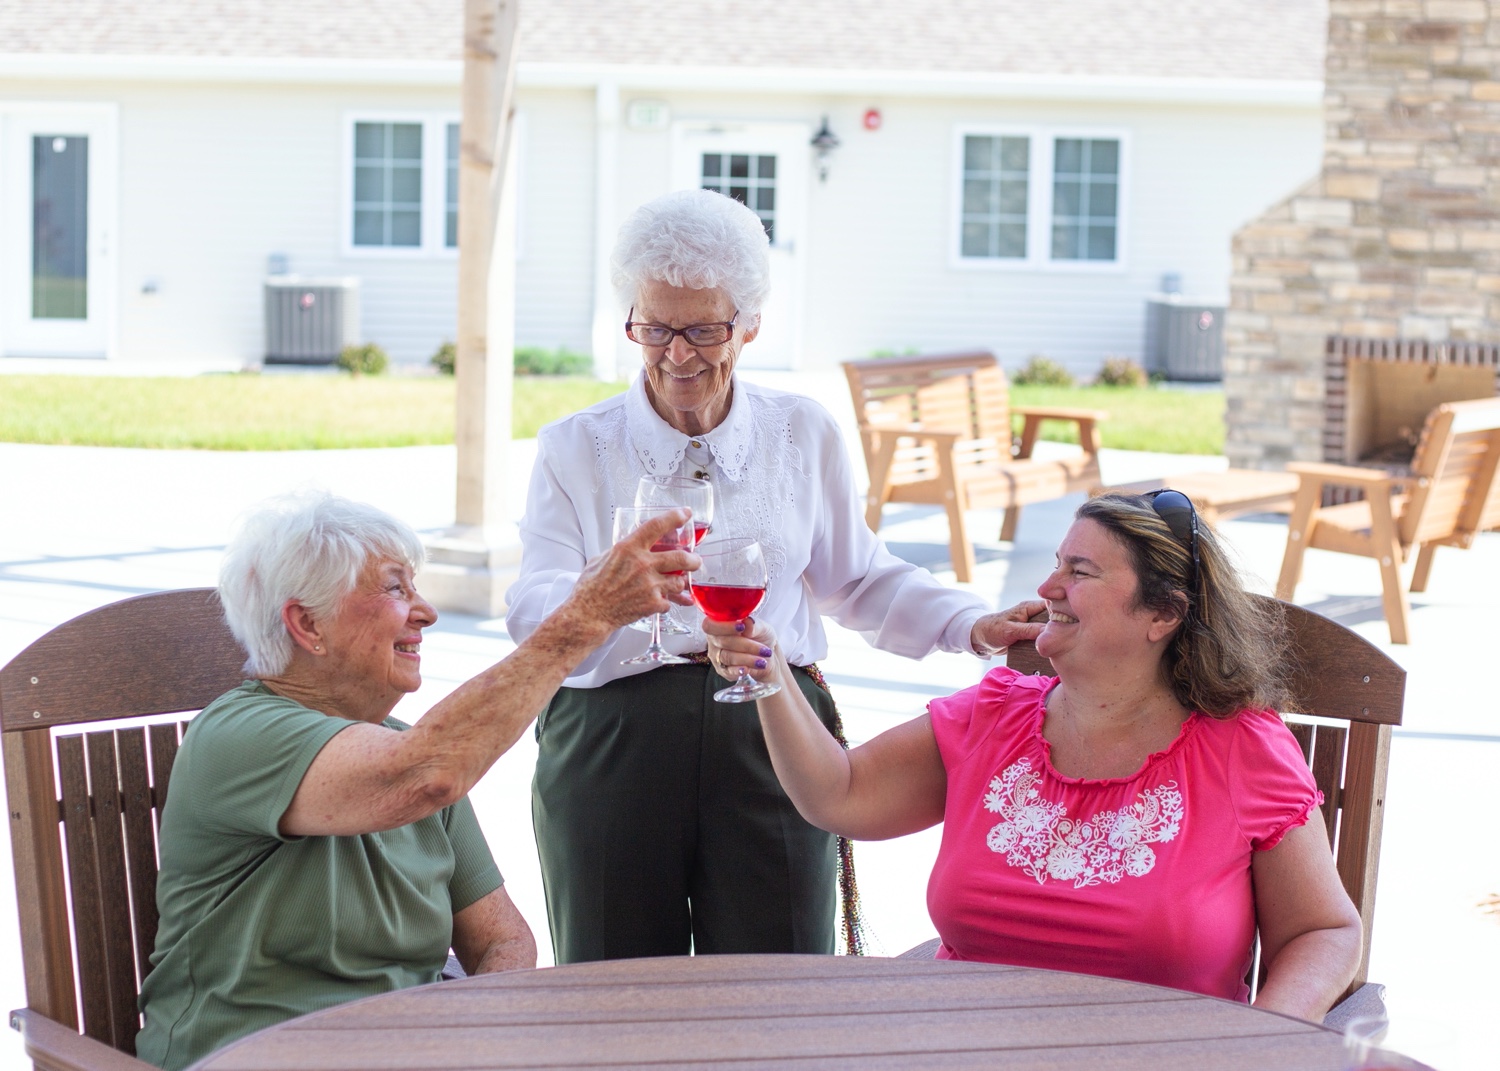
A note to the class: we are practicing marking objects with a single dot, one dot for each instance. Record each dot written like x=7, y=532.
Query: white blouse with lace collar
x=781, y=474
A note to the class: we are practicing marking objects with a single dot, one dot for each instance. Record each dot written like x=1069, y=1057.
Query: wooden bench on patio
x=1450, y=497
x=937, y=430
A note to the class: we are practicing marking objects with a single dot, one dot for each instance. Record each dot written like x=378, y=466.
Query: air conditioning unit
x=1184, y=338
x=310, y=321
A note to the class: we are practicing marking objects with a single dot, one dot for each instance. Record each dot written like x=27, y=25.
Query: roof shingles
x=1240, y=39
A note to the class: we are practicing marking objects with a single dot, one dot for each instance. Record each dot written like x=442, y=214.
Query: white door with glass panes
x=768, y=167
x=56, y=230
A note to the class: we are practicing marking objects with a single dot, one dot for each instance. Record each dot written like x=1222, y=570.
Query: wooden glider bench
x=937, y=430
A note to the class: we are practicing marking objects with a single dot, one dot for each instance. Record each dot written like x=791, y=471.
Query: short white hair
x=697, y=239
x=309, y=546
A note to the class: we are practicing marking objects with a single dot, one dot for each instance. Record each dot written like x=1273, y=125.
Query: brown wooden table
x=757, y=1012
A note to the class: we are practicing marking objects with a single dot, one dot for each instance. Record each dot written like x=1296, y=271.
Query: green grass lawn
x=277, y=412
x=1157, y=418
x=301, y=412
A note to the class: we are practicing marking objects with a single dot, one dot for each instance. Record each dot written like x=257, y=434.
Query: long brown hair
x=1227, y=654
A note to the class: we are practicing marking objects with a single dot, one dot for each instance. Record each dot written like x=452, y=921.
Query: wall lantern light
x=824, y=141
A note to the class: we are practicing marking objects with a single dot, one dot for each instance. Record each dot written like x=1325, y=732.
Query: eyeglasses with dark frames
x=1176, y=509
x=660, y=336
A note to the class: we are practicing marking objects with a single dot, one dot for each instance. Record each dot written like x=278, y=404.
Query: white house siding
x=555, y=269
x=879, y=268
x=216, y=177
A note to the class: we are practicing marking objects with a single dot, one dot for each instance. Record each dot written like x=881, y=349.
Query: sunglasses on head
x=1176, y=509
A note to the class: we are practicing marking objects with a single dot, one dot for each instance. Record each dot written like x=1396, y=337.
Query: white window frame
x=1043, y=146
x=434, y=164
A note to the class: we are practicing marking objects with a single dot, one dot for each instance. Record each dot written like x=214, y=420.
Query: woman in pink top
x=1141, y=814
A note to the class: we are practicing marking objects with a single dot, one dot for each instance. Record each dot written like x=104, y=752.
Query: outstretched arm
x=892, y=785
x=370, y=778
x=1310, y=933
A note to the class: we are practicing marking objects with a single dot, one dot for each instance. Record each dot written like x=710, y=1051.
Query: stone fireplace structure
x=1377, y=393
x=1390, y=256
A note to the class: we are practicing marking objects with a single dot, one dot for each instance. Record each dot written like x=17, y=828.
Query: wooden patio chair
x=1449, y=498
x=937, y=430
x=1356, y=692
x=95, y=841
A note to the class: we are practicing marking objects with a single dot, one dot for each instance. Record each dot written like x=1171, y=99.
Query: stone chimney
x=1397, y=238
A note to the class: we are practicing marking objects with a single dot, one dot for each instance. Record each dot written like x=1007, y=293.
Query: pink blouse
x=1144, y=877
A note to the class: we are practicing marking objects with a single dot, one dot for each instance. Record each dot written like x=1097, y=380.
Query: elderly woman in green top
x=314, y=849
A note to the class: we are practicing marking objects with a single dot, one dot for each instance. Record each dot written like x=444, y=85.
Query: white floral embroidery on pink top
x=1037, y=836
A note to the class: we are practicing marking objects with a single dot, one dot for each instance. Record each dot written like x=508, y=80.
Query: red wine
x=727, y=602
x=699, y=531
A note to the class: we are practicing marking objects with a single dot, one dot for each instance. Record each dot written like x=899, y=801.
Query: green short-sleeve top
x=257, y=927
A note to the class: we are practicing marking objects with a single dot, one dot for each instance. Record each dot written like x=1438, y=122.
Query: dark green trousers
x=662, y=828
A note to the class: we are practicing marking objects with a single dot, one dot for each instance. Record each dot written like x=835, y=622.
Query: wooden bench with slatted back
x=1356, y=693
x=1451, y=495
x=937, y=430
x=94, y=842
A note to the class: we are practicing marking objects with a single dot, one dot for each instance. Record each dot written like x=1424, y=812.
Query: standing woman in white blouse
x=660, y=823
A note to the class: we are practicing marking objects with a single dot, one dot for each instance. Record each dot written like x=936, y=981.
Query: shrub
x=1042, y=371
x=366, y=360
x=536, y=361
x=1121, y=372
x=529, y=361
x=909, y=351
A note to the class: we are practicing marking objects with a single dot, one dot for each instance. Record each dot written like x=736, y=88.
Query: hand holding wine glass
x=698, y=496
x=628, y=521
x=729, y=587
x=628, y=580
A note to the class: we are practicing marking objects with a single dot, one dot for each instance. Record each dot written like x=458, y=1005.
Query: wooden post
x=470, y=567
x=607, y=320
x=486, y=262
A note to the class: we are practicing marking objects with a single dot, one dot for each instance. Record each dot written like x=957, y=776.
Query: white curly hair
x=309, y=546
x=698, y=239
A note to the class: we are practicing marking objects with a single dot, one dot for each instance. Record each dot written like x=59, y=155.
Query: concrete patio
x=87, y=526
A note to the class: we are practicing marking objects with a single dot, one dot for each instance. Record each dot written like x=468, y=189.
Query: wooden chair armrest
x=1367, y=1000
x=1086, y=419
x=54, y=1047
x=1051, y=412
x=1347, y=475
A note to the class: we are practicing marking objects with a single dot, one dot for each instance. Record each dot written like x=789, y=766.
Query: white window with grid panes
x=1037, y=198
x=401, y=185
x=749, y=178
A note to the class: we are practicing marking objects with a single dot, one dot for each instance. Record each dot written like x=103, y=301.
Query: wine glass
x=698, y=496
x=627, y=520
x=729, y=586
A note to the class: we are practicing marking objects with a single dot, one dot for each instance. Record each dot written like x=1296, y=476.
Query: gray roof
x=1233, y=39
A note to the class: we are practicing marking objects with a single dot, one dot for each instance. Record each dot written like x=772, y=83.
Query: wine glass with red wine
x=627, y=520
x=698, y=496
x=729, y=586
